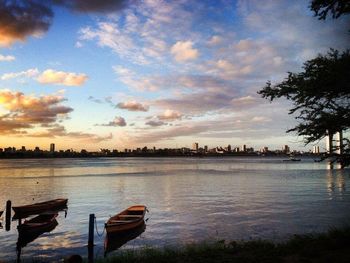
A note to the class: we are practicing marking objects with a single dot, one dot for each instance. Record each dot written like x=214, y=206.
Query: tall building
x=52, y=147
x=195, y=146
x=339, y=142
x=243, y=148
x=286, y=149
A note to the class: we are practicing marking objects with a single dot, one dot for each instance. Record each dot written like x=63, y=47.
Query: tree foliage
x=320, y=95
x=335, y=7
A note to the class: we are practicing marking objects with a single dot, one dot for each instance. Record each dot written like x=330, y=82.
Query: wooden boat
x=113, y=241
x=39, y=223
x=38, y=208
x=33, y=228
x=126, y=220
x=1, y=213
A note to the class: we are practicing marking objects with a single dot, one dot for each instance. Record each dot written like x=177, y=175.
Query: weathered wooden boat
x=33, y=228
x=113, y=241
x=126, y=220
x=39, y=223
x=37, y=208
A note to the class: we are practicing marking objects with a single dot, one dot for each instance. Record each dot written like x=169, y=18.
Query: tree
x=335, y=7
x=320, y=96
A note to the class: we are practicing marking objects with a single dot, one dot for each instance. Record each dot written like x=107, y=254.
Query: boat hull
x=127, y=220
x=41, y=207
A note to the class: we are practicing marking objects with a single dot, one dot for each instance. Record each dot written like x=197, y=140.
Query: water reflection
x=116, y=240
x=336, y=183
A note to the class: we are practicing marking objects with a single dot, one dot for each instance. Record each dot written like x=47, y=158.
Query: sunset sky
x=115, y=74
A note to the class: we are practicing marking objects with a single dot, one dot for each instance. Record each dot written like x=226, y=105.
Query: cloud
x=93, y=99
x=6, y=58
x=93, y=6
x=155, y=123
x=28, y=111
x=170, y=115
x=215, y=40
x=183, y=51
x=132, y=106
x=51, y=76
x=118, y=121
x=20, y=19
x=23, y=74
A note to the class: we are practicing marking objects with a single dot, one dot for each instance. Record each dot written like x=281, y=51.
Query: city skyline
x=157, y=73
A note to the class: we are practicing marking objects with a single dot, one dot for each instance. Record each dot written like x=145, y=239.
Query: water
x=190, y=199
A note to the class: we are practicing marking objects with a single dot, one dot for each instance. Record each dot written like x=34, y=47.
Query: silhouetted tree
x=320, y=96
x=335, y=7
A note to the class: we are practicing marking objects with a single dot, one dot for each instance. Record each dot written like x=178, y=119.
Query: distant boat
x=38, y=208
x=126, y=220
x=292, y=159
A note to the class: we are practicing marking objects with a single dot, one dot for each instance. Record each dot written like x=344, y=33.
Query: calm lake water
x=189, y=199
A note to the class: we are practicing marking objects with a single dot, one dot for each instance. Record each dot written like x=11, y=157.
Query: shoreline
x=332, y=246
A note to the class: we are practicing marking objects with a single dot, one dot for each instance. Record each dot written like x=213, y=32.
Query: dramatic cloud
x=6, y=58
x=51, y=76
x=20, y=19
x=170, y=115
x=184, y=51
x=132, y=106
x=23, y=74
x=27, y=111
x=118, y=121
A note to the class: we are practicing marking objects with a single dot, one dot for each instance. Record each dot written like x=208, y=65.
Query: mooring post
x=91, y=238
x=8, y=215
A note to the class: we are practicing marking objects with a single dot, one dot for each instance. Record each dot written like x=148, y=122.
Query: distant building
x=229, y=148
x=286, y=149
x=243, y=148
x=195, y=147
x=206, y=148
x=339, y=142
x=52, y=147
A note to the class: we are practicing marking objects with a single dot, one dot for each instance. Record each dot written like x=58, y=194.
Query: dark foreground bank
x=333, y=246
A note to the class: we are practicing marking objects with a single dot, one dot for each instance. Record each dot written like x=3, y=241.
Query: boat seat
x=118, y=221
x=130, y=215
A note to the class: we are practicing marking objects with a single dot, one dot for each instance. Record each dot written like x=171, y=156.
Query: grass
x=333, y=246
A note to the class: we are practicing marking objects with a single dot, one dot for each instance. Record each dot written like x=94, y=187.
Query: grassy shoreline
x=333, y=246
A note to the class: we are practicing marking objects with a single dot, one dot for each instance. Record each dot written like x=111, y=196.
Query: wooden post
x=91, y=238
x=8, y=215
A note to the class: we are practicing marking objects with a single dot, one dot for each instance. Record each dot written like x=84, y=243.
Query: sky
x=90, y=74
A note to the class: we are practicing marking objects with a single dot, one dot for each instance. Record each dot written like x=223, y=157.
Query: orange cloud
x=51, y=76
x=27, y=111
